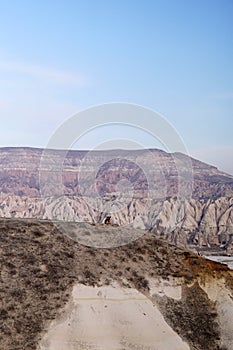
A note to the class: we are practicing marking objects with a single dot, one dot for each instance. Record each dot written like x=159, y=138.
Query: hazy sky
x=176, y=57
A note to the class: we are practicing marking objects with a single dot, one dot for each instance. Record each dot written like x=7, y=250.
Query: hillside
x=40, y=267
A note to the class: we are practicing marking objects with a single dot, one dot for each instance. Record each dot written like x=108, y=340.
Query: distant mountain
x=177, y=197
x=147, y=170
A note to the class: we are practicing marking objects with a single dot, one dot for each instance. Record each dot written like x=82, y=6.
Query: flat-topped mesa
x=23, y=169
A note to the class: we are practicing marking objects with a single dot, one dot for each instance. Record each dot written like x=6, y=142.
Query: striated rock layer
x=182, y=199
x=151, y=173
x=199, y=224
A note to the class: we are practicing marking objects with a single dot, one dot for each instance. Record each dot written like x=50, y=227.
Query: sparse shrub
x=141, y=282
x=140, y=250
x=91, y=252
x=31, y=259
x=88, y=274
x=3, y=314
x=16, y=292
x=38, y=233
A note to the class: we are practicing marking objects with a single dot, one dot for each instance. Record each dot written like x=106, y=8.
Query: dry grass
x=39, y=266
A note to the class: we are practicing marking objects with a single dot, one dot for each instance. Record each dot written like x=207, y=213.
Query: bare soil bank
x=39, y=266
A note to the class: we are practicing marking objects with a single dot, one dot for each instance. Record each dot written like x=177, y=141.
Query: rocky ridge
x=197, y=224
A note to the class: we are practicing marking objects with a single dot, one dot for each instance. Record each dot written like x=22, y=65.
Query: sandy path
x=110, y=318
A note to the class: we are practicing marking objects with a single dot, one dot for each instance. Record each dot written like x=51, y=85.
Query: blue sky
x=176, y=57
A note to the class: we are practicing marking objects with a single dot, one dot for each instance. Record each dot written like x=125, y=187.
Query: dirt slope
x=39, y=266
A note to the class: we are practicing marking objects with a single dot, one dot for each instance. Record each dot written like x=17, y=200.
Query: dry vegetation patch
x=39, y=266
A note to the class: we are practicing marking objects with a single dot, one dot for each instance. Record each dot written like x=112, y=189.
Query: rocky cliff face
x=198, y=224
x=154, y=173
x=183, y=200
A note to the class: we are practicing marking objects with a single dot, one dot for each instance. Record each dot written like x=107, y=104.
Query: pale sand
x=110, y=318
x=172, y=287
x=217, y=292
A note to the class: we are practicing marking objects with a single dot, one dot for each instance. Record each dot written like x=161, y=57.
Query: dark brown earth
x=39, y=266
